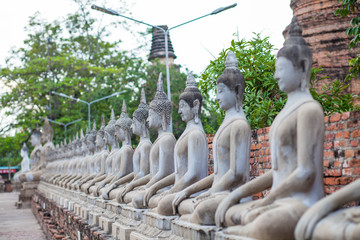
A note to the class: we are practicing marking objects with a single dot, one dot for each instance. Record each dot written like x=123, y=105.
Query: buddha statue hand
x=179, y=197
x=203, y=196
x=107, y=190
x=222, y=209
x=307, y=223
x=148, y=194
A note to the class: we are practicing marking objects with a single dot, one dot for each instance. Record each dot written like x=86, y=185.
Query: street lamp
x=166, y=32
x=88, y=103
x=65, y=125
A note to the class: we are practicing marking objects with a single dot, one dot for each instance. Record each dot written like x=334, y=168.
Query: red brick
x=328, y=145
x=258, y=146
x=265, y=144
x=267, y=129
x=326, y=119
x=356, y=171
x=345, y=116
x=326, y=163
x=267, y=151
x=342, y=143
x=341, y=126
x=333, y=172
x=347, y=171
x=355, y=133
x=355, y=143
x=354, y=163
x=260, y=131
x=329, y=154
x=336, y=144
x=352, y=124
x=329, y=189
x=338, y=135
x=349, y=153
x=337, y=164
x=329, y=181
x=346, y=134
x=253, y=147
x=343, y=180
x=331, y=127
x=335, y=117
x=330, y=136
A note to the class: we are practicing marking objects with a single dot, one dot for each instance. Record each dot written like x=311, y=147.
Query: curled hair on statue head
x=191, y=92
x=233, y=78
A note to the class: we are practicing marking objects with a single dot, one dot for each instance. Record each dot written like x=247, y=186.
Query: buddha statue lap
x=231, y=151
x=296, y=143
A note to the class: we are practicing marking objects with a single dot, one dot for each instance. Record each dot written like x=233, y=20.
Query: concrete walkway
x=17, y=224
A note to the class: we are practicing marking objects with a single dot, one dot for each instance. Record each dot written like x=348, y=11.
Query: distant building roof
x=158, y=44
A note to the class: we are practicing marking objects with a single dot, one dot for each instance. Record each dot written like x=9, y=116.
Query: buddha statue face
x=90, y=143
x=186, y=112
x=108, y=139
x=225, y=96
x=119, y=133
x=35, y=139
x=289, y=77
x=154, y=120
x=136, y=127
x=99, y=141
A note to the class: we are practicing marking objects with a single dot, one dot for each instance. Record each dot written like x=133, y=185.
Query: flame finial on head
x=231, y=60
x=142, y=97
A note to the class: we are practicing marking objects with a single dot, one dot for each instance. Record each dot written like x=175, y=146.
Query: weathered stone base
x=223, y=236
x=154, y=226
x=128, y=221
x=186, y=230
x=26, y=193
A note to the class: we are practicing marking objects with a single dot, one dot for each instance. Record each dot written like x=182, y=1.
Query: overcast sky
x=194, y=43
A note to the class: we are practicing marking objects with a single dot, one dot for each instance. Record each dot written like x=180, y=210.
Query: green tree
x=352, y=8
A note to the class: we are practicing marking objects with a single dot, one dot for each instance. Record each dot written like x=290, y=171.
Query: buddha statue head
x=190, y=101
x=122, y=125
x=109, y=130
x=36, y=136
x=230, y=85
x=139, y=125
x=24, y=152
x=294, y=61
x=160, y=108
x=84, y=148
x=91, y=137
x=47, y=132
x=99, y=141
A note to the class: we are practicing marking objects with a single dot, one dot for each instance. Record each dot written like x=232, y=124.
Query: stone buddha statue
x=141, y=164
x=98, y=168
x=231, y=151
x=296, y=142
x=88, y=164
x=125, y=154
x=162, y=150
x=111, y=160
x=46, y=137
x=25, y=163
x=74, y=161
x=327, y=220
x=35, y=154
x=190, y=155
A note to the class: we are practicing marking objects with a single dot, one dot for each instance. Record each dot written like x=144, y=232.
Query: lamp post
x=88, y=103
x=65, y=125
x=166, y=32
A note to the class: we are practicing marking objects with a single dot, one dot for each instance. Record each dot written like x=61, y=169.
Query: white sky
x=192, y=42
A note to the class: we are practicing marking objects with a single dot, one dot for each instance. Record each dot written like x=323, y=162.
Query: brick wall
x=341, y=151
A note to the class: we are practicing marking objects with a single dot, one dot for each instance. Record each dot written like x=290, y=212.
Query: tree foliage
x=73, y=56
x=262, y=98
x=352, y=8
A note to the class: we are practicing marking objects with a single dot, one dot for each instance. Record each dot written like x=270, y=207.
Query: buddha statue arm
x=310, y=133
x=239, y=153
x=166, y=181
x=306, y=225
x=252, y=187
x=196, y=156
x=136, y=183
x=166, y=160
x=126, y=160
x=123, y=180
x=194, y=188
x=144, y=162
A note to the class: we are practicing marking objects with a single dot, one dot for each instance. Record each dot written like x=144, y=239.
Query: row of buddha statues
x=170, y=176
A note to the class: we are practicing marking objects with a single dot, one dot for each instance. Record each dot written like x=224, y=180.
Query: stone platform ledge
x=222, y=236
x=186, y=230
x=71, y=225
